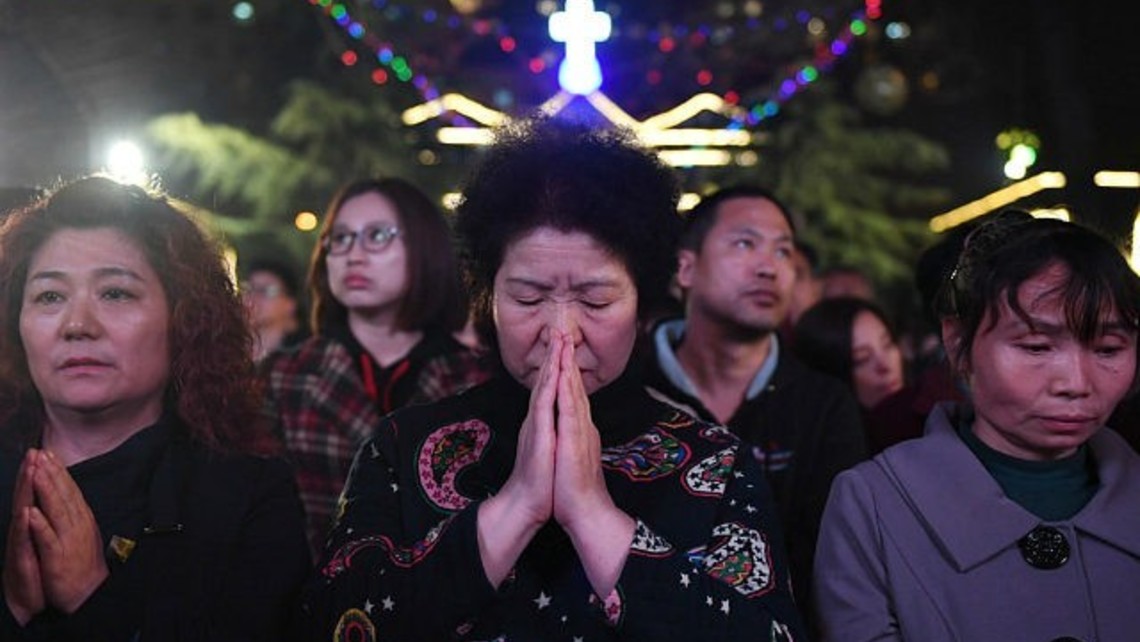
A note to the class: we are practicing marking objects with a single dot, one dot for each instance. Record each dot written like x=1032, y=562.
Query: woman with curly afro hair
x=558, y=500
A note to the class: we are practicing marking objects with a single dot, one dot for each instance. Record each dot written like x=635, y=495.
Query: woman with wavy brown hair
x=138, y=495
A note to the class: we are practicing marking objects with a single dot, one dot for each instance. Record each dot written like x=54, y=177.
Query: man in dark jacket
x=723, y=362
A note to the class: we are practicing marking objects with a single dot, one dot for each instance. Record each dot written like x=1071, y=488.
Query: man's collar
x=668, y=335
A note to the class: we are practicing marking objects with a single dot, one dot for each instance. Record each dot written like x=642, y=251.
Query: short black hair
x=280, y=269
x=703, y=216
x=572, y=177
x=1012, y=247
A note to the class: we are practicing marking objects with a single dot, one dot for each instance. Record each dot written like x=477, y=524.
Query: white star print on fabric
x=388, y=603
x=737, y=474
x=395, y=487
x=685, y=581
x=368, y=606
x=724, y=606
x=708, y=600
x=750, y=508
x=543, y=600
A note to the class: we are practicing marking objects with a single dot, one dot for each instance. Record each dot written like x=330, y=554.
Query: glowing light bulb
x=126, y=163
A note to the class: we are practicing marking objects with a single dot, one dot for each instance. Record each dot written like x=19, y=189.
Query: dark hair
x=933, y=268
x=703, y=216
x=279, y=269
x=1013, y=247
x=434, y=297
x=545, y=172
x=212, y=384
x=823, y=334
x=810, y=254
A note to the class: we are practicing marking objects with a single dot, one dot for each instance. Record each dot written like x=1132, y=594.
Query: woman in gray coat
x=1016, y=516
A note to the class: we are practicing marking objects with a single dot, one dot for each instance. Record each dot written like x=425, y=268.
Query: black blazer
x=221, y=555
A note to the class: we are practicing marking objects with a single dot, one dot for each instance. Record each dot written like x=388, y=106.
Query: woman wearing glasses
x=386, y=299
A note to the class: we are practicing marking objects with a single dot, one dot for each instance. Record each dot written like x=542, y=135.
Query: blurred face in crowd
x=806, y=288
x=847, y=283
x=94, y=324
x=564, y=282
x=1039, y=393
x=743, y=274
x=268, y=301
x=371, y=277
x=876, y=361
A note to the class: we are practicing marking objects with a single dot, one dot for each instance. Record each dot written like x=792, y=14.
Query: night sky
x=75, y=73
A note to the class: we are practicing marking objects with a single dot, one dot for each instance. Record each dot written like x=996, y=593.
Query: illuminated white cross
x=580, y=27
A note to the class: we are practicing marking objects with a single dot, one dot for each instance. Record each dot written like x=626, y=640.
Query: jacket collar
x=969, y=516
x=669, y=334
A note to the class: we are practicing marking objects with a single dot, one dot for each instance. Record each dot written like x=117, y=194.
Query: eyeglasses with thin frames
x=373, y=239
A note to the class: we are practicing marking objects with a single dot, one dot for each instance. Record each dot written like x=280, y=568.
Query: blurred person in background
x=846, y=280
x=852, y=340
x=807, y=288
x=269, y=290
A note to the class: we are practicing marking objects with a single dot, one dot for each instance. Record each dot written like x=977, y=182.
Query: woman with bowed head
x=1014, y=517
x=558, y=500
x=137, y=494
x=387, y=299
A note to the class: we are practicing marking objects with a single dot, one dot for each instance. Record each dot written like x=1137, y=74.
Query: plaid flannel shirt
x=315, y=399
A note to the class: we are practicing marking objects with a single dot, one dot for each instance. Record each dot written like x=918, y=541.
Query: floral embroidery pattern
x=444, y=453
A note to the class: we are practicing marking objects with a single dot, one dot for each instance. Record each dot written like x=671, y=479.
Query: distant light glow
x=305, y=221
x=688, y=201
x=126, y=163
x=1014, y=170
x=1135, y=258
x=451, y=200
x=1023, y=154
x=243, y=12
x=997, y=200
x=897, y=31
x=580, y=27
x=1058, y=213
x=1106, y=178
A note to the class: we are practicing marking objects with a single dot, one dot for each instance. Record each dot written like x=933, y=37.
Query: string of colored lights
x=384, y=52
x=824, y=59
x=390, y=63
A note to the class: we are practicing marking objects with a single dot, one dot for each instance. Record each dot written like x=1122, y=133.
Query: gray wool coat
x=920, y=544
